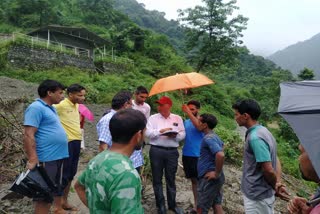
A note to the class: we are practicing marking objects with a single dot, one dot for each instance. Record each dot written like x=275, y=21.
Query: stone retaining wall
x=20, y=56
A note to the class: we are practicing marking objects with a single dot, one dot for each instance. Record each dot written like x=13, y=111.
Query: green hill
x=154, y=57
x=153, y=20
x=301, y=55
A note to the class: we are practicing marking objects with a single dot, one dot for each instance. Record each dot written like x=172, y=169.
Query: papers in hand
x=170, y=132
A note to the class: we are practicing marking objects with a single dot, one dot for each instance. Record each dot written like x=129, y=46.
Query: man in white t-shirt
x=140, y=96
x=138, y=103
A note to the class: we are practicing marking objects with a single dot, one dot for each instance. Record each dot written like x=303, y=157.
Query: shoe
x=177, y=210
x=162, y=210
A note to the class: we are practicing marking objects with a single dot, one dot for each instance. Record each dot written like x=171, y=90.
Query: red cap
x=164, y=100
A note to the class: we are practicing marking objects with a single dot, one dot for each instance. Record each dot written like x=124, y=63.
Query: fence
x=100, y=55
x=51, y=45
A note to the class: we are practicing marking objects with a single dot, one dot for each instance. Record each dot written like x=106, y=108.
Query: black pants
x=70, y=164
x=164, y=159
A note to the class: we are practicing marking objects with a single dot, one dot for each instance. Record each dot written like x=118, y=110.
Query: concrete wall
x=40, y=59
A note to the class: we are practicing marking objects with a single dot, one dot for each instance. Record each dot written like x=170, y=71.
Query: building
x=78, y=39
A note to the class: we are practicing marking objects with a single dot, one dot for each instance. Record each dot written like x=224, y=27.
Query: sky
x=273, y=24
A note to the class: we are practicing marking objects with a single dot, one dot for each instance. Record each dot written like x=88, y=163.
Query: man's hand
x=211, y=175
x=164, y=130
x=31, y=164
x=185, y=109
x=103, y=146
x=298, y=205
x=172, y=135
x=282, y=192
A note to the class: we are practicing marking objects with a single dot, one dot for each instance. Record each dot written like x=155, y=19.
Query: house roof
x=78, y=32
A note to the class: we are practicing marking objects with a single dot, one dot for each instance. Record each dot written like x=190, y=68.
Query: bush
x=233, y=145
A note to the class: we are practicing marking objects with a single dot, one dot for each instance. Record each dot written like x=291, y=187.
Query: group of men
x=52, y=139
x=111, y=181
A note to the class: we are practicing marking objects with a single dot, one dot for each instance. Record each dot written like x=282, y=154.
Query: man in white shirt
x=140, y=96
x=138, y=103
x=165, y=130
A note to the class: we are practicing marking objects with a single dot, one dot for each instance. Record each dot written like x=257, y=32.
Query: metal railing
x=49, y=44
x=100, y=55
x=112, y=58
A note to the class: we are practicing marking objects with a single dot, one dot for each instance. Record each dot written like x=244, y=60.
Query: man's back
x=112, y=184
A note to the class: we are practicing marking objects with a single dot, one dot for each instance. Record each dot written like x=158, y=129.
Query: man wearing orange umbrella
x=165, y=130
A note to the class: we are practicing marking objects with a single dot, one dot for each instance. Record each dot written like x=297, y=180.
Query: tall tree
x=213, y=32
x=306, y=74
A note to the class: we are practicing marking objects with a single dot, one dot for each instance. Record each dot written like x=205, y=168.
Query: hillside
x=300, y=55
x=154, y=55
x=153, y=20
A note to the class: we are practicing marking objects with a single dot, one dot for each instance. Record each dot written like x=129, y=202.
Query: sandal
x=70, y=207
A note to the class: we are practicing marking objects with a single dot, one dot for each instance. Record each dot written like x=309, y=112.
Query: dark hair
x=120, y=99
x=141, y=90
x=125, y=124
x=248, y=106
x=49, y=85
x=195, y=103
x=209, y=119
x=75, y=88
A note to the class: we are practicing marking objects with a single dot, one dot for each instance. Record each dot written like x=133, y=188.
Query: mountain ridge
x=299, y=55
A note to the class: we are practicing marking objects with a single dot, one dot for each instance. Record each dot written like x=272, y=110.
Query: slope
x=300, y=55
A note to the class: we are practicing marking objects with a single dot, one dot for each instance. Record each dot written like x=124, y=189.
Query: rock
x=6, y=203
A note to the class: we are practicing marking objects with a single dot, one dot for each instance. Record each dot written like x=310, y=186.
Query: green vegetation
x=213, y=31
x=154, y=56
x=306, y=74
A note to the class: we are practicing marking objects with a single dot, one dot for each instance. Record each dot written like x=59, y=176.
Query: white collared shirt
x=157, y=122
x=144, y=108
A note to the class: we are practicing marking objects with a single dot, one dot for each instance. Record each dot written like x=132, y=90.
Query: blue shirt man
x=191, y=148
x=210, y=146
x=51, y=139
x=210, y=164
x=45, y=140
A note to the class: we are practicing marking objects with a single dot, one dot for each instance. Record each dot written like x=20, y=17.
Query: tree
x=212, y=33
x=306, y=74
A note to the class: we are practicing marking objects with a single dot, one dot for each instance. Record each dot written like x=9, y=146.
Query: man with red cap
x=165, y=130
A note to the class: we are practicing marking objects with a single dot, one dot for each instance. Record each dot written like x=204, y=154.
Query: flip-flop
x=70, y=208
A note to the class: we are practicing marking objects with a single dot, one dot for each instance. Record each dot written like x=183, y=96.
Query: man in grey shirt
x=261, y=167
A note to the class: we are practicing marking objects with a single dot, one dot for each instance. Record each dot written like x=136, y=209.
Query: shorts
x=54, y=170
x=210, y=193
x=190, y=165
x=70, y=165
x=262, y=206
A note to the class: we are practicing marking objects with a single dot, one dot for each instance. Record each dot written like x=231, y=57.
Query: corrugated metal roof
x=78, y=32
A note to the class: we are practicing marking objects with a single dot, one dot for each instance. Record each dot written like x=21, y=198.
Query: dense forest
x=159, y=48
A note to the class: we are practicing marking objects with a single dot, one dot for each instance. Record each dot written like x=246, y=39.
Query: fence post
x=48, y=42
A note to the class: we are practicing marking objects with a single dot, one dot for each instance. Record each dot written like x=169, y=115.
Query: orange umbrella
x=179, y=81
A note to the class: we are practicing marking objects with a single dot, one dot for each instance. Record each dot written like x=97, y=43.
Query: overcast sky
x=273, y=24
